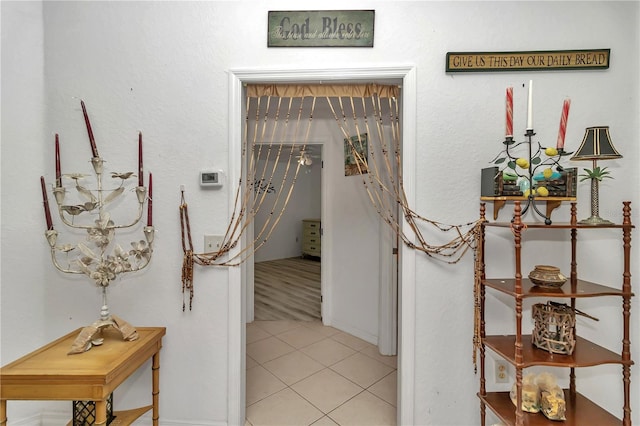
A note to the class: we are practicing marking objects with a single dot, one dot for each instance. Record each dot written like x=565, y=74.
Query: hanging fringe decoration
x=187, y=258
x=385, y=192
x=353, y=107
x=478, y=290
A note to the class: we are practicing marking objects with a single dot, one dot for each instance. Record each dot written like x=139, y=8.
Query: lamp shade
x=596, y=145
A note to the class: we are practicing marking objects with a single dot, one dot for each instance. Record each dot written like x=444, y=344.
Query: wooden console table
x=50, y=374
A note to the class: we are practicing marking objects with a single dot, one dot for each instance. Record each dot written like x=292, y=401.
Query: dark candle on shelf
x=45, y=201
x=150, y=202
x=92, y=141
x=140, y=168
x=58, y=174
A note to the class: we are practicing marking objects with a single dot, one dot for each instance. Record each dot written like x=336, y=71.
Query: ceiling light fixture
x=304, y=159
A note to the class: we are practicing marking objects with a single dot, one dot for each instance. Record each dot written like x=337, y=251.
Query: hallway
x=287, y=289
x=303, y=373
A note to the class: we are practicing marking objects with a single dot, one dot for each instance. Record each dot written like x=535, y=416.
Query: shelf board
x=581, y=288
x=499, y=202
x=585, y=354
x=557, y=225
x=580, y=411
x=125, y=417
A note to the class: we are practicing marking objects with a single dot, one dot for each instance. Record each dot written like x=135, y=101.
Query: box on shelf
x=492, y=184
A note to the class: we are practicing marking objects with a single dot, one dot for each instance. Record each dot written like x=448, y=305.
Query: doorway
x=237, y=289
x=287, y=269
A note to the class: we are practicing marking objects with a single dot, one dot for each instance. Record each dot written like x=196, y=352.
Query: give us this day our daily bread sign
x=528, y=60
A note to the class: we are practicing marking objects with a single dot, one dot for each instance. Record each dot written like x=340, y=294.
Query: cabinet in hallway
x=311, y=244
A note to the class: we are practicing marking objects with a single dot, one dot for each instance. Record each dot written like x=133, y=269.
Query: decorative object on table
x=99, y=257
x=547, y=276
x=596, y=145
x=536, y=173
x=555, y=327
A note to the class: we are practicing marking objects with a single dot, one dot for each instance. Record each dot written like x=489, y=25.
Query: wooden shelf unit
x=519, y=350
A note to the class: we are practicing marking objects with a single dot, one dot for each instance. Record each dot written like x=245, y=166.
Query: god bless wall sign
x=321, y=28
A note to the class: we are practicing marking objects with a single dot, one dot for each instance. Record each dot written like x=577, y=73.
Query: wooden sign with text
x=528, y=61
x=321, y=28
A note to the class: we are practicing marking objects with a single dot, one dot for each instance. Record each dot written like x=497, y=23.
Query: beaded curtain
x=365, y=114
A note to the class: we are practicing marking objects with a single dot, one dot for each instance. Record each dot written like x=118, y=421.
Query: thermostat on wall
x=211, y=178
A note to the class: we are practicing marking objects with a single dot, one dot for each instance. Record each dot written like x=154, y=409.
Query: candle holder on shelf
x=100, y=258
x=522, y=180
x=535, y=175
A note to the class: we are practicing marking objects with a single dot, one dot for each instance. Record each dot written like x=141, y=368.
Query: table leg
x=3, y=412
x=155, y=369
x=101, y=412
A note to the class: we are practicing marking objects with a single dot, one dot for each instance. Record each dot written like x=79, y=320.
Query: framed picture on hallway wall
x=356, y=155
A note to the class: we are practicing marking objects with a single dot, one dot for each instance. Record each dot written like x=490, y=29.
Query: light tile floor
x=303, y=373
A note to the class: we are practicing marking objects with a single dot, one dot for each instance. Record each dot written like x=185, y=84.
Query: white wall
x=23, y=319
x=160, y=67
x=304, y=203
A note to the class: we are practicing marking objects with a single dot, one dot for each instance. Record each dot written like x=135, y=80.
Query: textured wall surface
x=161, y=67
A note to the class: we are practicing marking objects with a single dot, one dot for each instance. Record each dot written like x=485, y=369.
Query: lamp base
x=595, y=220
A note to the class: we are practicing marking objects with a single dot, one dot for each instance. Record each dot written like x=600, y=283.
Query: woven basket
x=554, y=327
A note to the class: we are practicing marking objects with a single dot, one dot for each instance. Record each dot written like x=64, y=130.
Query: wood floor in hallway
x=287, y=289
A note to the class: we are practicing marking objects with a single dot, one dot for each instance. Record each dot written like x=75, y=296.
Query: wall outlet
x=212, y=243
x=501, y=368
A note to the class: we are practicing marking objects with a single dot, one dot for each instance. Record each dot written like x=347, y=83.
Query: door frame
x=237, y=288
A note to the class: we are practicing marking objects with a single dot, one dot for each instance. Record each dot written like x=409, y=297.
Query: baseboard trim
x=35, y=420
x=367, y=337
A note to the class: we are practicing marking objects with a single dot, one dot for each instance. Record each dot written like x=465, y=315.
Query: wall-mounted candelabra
x=90, y=207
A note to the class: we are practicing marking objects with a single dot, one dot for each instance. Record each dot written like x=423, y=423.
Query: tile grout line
x=356, y=351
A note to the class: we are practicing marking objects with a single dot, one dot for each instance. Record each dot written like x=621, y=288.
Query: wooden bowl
x=547, y=276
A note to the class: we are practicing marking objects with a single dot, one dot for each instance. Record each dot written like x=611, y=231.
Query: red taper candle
x=140, y=168
x=509, y=126
x=150, y=202
x=58, y=174
x=564, y=117
x=45, y=202
x=92, y=141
